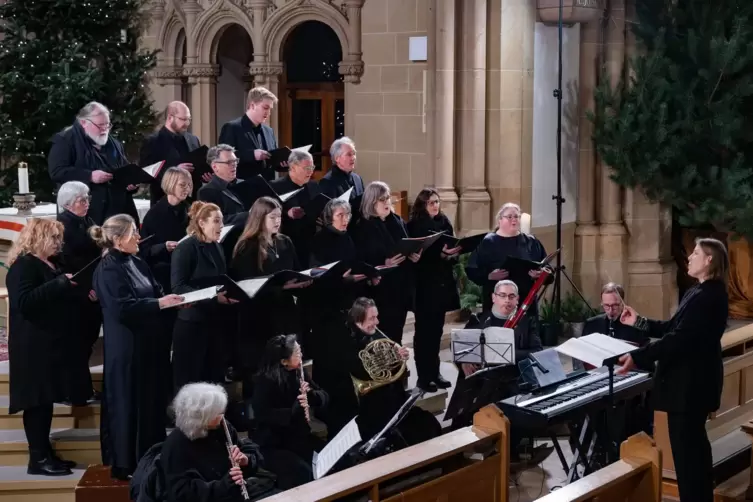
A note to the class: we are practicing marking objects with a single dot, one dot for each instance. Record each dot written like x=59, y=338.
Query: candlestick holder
x=24, y=202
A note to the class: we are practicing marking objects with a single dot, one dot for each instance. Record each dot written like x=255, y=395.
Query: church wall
x=387, y=107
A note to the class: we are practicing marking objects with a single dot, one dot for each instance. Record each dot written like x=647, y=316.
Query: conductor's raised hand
x=395, y=260
x=499, y=274
x=629, y=316
x=627, y=364
x=169, y=301
x=237, y=476
x=238, y=456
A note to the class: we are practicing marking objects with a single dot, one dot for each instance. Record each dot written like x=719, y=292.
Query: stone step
x=17, y=486
x=79, y=445
x=64, y=416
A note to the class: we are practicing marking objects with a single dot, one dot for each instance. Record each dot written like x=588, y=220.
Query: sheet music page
x=224, y=232
x=614, y=346
x=197, y=296
x=302, y=149
x=345, y=197
x=346, y=439
x=153, y=169
x=500, y=345
x=311, y=271
x=593, y=349
x=284, y=197
x=252, y=286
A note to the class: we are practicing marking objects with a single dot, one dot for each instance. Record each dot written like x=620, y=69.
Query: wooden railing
x=636, y=477
x=467, y=464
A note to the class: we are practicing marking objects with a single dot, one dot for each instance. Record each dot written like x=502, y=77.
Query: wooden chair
x=636, y=477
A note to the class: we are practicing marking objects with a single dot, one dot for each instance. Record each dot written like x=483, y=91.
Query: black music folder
x=467, y=244
x=249, y=191
x=371, y=271
x=280, y=155
x=133, y=174
x=250, y=288
x=335, y=270
x=411, y=245
x=198, y=159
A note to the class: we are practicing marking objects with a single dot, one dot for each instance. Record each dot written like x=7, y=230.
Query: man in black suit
x=87, y=153
x=342, y=176
x=251, y=137
x=219, y=189
x=608, y=323
x=171, y=143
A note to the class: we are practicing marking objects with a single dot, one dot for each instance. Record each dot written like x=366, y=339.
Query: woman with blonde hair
x=197, y=337
x=136, y=355
x=261, y=250
x=38, y=367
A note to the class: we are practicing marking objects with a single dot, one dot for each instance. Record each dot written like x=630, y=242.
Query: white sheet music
x=499, y=346
x=153, y=169
x=345, y=197
x=302, y=149
x=311, y=271
x=284, y=197
x=197, y=296
x=252, y=286
x=326, y=459
x=223, y=233
x=594, y=349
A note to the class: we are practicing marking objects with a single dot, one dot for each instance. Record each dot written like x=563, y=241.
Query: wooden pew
x=434, y=470
x=636, y=477
x=731, y=448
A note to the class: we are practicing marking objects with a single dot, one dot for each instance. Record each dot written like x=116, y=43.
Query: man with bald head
x=171, y=143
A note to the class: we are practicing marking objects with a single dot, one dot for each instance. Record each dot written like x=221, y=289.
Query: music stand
x=471, y=345
x=481, y=388
x=394, y=421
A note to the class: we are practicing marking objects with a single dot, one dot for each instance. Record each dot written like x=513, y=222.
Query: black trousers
x=691, y=452
x=426, y=341
x=198, y=354
x=37, y=425
x=392, y=320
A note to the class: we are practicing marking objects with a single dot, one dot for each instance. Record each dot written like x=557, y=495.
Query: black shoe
x=68, y=464
x=47, y=467
x=427, y=386
x=442, y=383
x=120, y=473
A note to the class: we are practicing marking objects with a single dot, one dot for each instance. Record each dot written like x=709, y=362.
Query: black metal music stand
x=394, y=422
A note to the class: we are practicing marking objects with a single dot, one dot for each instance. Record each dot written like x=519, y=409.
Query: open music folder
x=595, y=349
x=325, y=460
x=280, y=155
x=197, y=296
x=133, y=174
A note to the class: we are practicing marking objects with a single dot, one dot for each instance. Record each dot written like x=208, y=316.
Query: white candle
x=23, y=178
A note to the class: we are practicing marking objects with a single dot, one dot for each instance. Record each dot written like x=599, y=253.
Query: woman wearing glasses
x=485, y=266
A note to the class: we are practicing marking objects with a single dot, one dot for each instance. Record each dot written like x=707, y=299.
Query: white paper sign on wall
x=417, y=48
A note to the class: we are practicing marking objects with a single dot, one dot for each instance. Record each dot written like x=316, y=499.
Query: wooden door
x=313, y=114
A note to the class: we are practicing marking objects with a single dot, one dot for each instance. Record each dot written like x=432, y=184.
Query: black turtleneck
x=192, y=261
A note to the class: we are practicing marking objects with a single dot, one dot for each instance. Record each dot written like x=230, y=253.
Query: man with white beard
x=87, y=153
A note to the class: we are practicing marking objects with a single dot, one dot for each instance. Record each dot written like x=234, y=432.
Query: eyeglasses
x=341, y=216
x=84, y=200
x=433, y=202
x=184, y=119
x=233, y=162
x=504, y=296
x=611, y=306
x=385, y=198
x=102, y=127
x=511, y=217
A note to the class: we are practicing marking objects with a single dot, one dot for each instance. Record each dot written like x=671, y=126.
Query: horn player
x=377, y=366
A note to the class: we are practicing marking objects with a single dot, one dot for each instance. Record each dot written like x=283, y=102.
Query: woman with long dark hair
x=437, y=292
x=283, y=400
x=688, y=360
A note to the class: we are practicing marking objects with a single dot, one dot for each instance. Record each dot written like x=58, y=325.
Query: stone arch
x=171, y=36
x=282, y=22
x=212, y=24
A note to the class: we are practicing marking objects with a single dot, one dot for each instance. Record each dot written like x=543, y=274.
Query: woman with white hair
x=195, y=458
x=84, y=312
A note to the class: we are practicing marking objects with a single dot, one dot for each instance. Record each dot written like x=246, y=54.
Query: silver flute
x=305, y=406
x=229, y=444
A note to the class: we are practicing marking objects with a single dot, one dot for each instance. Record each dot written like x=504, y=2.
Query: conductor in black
x=689, y=372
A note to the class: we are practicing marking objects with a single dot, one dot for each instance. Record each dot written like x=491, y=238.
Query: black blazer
x=239, y=133
x=218, y=192
x=689, y=372
x=193, y=260
x=163, y=145
x=601, y=324
x=336, y=182
x=74, y=158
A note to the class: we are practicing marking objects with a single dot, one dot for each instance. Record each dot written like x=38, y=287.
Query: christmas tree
x=680, y=126
x=56, y=56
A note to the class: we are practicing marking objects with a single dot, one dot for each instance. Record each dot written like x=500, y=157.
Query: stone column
x=203, y=78
x=191, y=10
x=586, y=266
x=474, y=210
x=612, y=241
x=442, y=105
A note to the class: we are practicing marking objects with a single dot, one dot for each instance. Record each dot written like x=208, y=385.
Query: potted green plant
x=575, y=312
x=549, y=328
x=470, y=292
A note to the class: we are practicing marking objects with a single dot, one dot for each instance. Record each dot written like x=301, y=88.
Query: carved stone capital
x=351, y=71
x=201, y=70
x=264, y=68
x=166, y=73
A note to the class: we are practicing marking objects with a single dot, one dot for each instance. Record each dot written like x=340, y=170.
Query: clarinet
x=305, y=406
x=229, y=444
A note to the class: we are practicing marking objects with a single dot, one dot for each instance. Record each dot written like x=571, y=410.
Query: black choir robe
x=197, y=470
x=86, y=315
x=136, y=356
x=300, y=230
x=220, y=192
x=38, y=348
x=246, y=137
x=614, y=328
x=173, y=149
x=272, y=313
x=394, y=296
x=73, y=157
x=491, y=254
x=162, y=223
x=336, y=182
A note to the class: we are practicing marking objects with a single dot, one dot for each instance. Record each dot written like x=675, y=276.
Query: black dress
x=198, y=337
x=436, y=294
x=688, y=381
x=162, y=223
x=197, y=470
x=270, y=314
x=302, y=230
x=394, y=295
x=86, y=315
x=283, y=434
x=135, y=357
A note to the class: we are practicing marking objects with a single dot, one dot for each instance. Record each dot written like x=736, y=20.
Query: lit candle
x=23, y=178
